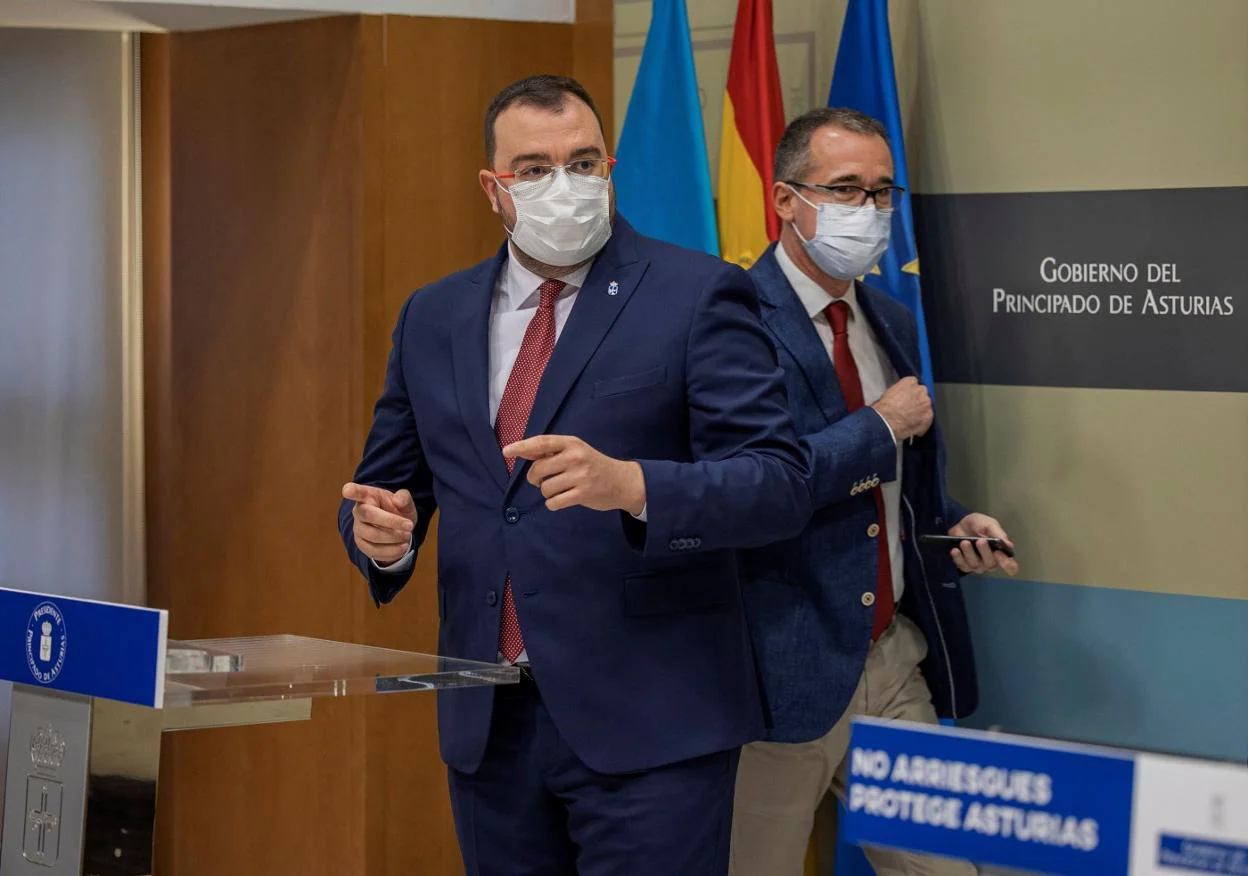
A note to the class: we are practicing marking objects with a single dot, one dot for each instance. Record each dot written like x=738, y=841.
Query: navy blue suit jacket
x=636, y=632
x=804, y=595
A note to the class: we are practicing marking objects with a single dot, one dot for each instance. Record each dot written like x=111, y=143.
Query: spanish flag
x=753, y=123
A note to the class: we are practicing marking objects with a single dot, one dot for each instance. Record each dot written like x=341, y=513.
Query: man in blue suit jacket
x=601, y=421
x=853, y=616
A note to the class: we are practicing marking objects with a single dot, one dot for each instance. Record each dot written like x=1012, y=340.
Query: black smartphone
x=952, y=541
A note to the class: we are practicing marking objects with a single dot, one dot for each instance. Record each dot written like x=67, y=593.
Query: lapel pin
x=613, y=288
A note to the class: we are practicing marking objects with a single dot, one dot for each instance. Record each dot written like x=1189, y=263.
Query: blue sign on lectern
x=96, y=649
x=1012, y=802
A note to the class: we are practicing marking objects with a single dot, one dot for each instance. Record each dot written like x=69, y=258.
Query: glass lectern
x=95, y=685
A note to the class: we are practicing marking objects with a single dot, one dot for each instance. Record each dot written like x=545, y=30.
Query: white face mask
x=848, y=241
x=562, y=219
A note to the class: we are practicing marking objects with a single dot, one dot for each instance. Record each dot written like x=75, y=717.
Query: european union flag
x=663, y=179
x=864, y=80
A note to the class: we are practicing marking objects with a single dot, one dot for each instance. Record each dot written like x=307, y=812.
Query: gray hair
x=793, y=153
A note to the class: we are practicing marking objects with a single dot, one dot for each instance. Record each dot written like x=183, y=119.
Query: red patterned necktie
x=851, y=386
x=513, y=420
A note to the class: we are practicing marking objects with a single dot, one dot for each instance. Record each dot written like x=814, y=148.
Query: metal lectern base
x=80, y=792
x=81, y=776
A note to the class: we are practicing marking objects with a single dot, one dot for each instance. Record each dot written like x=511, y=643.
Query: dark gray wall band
x=1117, y=289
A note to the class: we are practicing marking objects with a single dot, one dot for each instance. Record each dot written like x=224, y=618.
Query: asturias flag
x=753, y=123
x=864, y=80
x=663, y=179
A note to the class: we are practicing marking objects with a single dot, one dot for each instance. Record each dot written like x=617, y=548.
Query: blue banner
x=96, y=649
x=663, y=180
x=864, y=79
x=1008, y=801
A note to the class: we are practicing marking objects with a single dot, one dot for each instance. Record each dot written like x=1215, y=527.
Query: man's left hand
x=973, y=556
x=569, y=472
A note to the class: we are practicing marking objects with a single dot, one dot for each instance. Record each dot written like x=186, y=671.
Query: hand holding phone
x=952, y=541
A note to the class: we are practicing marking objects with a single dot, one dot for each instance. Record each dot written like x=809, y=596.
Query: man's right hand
x=907, y=408
x=384, y=522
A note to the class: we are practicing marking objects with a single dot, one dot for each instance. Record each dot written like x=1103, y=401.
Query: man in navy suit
x=601, y=420
x=853, y=616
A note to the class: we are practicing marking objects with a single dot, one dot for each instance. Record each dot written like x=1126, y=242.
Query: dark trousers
x=534, y=809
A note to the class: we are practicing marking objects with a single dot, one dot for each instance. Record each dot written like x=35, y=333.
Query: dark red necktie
x=851, y=387
x=512, y=422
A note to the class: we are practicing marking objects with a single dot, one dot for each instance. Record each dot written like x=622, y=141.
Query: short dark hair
x=542, y=91
x=793, y=153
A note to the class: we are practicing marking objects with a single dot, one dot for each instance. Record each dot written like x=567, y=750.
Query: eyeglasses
x=599, y=167
x=884, y=197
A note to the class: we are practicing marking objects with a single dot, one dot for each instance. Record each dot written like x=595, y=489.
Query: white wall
x=512, y=10
x=63, y=146
x=181, y=15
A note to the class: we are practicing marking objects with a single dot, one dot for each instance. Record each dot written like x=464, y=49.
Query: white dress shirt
x=515, y=305
x=876, y=373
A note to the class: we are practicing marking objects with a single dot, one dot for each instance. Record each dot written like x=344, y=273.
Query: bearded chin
x=508, y=219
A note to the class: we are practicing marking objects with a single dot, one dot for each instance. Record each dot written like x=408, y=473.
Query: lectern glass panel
x=209, y=671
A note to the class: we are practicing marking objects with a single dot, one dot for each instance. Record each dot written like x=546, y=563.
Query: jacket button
x=697, y=542
x=491, y=597
x=873, y=530
x=512, y=515
x=674, y=544
x=868, y=599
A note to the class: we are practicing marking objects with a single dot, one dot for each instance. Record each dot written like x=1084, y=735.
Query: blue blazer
x=804, y=595
x=636, y=632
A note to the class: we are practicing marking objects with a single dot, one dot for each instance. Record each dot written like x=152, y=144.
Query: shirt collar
x=814, y=299
x=521, y=286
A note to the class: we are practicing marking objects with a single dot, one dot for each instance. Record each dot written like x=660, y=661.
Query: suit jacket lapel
x=788, y=320
x=886, y=332
x=611, y=281
x=471, y=356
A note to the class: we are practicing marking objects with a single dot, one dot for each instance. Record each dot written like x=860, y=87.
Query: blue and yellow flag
x=663, y=179
x=864, y=80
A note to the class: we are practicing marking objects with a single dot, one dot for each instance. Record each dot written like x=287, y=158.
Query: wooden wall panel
x=159, y=449
x=318, y=172
x=593, y=56
x=263, y=338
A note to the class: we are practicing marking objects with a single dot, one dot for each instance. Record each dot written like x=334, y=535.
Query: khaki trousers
x=780, y=786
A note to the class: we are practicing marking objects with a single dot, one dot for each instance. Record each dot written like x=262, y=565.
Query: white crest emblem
x=46, y=643
x=613, y=288
x=47, y=749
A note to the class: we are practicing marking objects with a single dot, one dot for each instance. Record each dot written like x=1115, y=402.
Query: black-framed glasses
x=885, y=197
